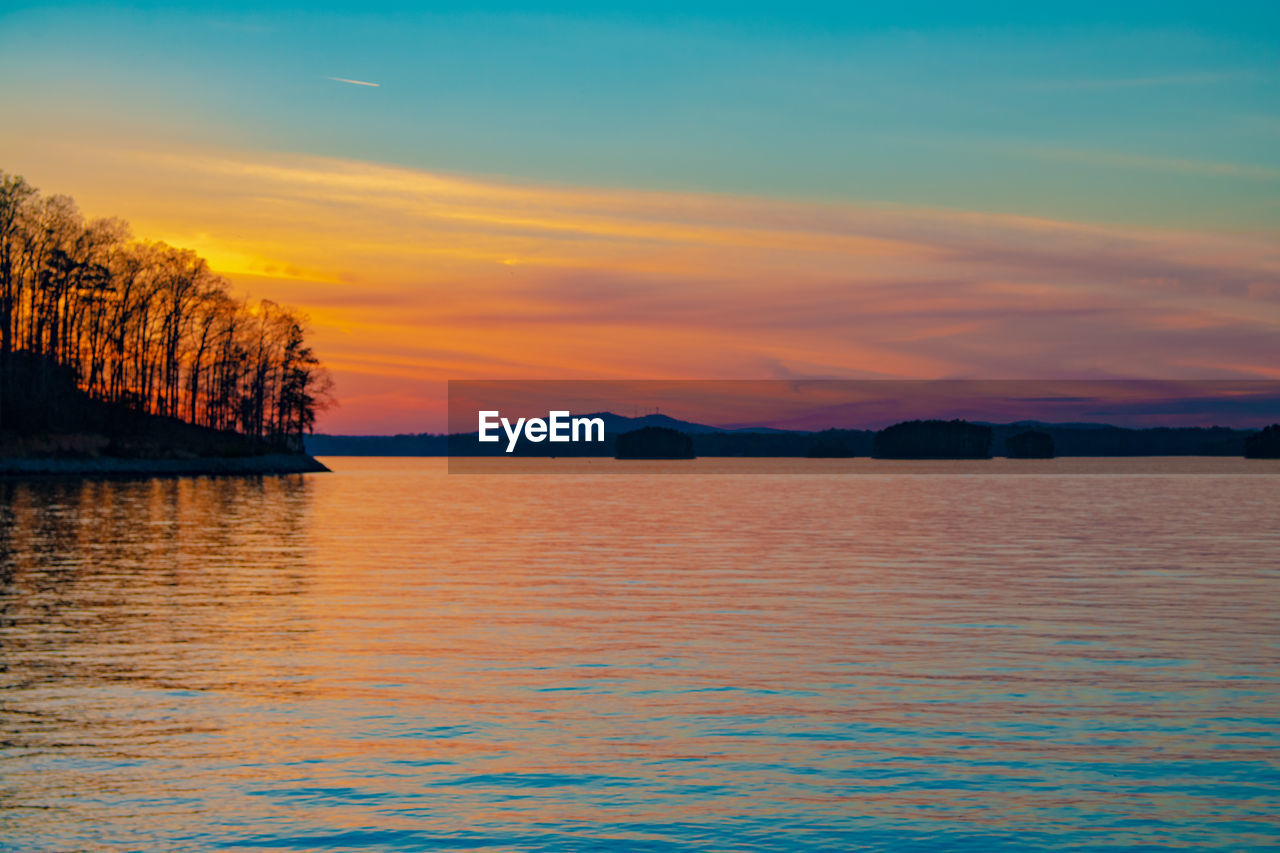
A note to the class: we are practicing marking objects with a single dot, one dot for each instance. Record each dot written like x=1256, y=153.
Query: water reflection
x=116, y=592
x=390, y=657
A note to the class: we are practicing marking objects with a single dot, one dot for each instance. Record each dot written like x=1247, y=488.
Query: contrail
x=353, y=82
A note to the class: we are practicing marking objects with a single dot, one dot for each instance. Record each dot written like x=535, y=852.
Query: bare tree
x=143, y=325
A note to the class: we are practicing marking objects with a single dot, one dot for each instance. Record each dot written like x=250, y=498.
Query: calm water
x=393, y=658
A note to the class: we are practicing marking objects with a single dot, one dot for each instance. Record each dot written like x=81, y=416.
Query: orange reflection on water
x=409, y=658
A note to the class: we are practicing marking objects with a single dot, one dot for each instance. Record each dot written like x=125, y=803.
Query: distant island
x=130, y=356
x=1020, y=439
x=1264, y=444
x=933, y=439
x=653, y=442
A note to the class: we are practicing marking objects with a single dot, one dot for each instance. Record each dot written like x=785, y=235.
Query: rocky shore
x=107, y=466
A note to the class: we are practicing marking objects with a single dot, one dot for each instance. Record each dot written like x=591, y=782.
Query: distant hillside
x=1068, y=440
x=1103, y=440
x=620, y=423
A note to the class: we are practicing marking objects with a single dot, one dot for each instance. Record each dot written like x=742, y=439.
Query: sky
x=676, y=191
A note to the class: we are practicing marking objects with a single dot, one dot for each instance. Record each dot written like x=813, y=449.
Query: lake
x=391, y=657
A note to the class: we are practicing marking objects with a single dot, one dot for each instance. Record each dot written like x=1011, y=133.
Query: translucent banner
x=972, y=427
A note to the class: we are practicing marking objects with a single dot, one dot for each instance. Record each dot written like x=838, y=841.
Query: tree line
x=144, y=325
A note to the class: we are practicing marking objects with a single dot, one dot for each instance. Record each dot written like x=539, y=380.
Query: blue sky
x=1157, y=113
x=674, y=191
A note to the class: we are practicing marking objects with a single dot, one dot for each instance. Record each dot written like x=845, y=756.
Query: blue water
x=390, y=657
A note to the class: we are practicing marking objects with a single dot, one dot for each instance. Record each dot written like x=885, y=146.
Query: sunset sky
x=674, y=191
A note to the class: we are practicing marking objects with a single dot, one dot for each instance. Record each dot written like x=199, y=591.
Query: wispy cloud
x=409, y=279
x=353, y=82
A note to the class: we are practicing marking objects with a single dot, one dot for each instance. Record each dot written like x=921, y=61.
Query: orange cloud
x=413, y=277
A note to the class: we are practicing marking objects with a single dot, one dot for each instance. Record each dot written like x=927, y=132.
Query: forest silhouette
x=92, y=319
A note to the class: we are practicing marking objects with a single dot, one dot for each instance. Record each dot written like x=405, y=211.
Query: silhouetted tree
x=1264, y=444
x=142, y=324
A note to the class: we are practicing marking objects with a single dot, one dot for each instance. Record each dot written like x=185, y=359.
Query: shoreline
x=108, y=466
